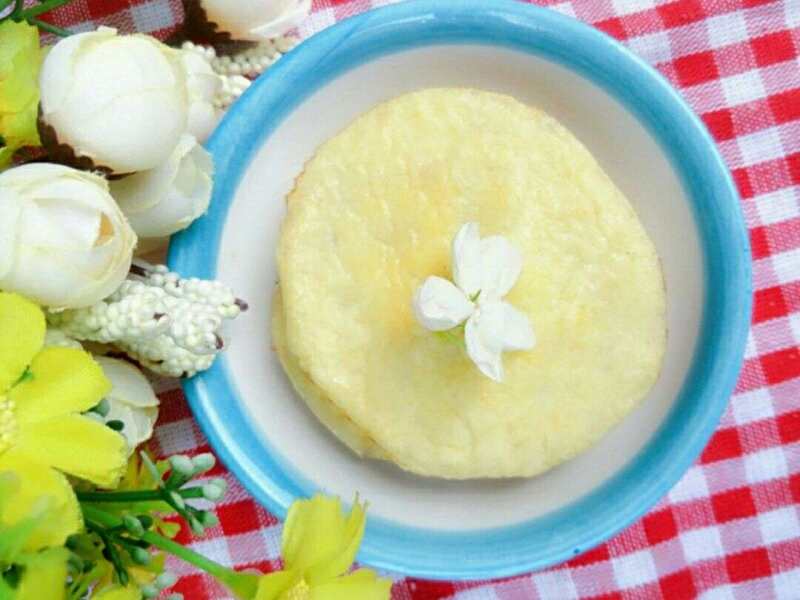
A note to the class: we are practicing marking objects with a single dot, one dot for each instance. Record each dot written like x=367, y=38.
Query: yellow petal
x=44, y=576
x=77, y=446
x=21, y=336
x=319, y=541
x=360, y=585
x=37, y=481
x=272, y=585
x=117, y=592
x=63, y=381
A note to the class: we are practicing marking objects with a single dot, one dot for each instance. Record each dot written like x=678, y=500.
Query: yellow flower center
x=8, y=424
x=300, y=591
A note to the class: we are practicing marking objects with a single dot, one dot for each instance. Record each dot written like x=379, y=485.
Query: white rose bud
x=202, y=85
x=256, y=20
x=166, y=199
x=63, y=240
x=131, y=400
x=119, y=100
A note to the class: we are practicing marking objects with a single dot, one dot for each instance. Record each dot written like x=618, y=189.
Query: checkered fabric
x=730, y=529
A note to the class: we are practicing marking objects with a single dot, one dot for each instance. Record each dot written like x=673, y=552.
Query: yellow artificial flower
x=20, y=59
x=43, y=434
x=117, y=592
x=44, y=570
x=319, y=545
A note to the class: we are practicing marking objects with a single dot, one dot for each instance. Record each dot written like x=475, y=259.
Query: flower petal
x=467, y=259
x=76, y=445
x=64, y=381
x=117, y=592
x=439, y=305
x=363, y=584
x=272, y=585
x=318, y=541
x=21, y=336
x=517, y=331
x=36, y=481
x=501, y=264
x=483, y=336
x=44, y=576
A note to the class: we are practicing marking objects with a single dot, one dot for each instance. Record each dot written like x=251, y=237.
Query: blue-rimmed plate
x=648, y=141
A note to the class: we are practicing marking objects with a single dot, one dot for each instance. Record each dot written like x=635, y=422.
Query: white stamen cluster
x=236, y=69
x=170, y=325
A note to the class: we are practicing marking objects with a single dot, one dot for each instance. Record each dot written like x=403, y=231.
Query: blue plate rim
x=593, y=518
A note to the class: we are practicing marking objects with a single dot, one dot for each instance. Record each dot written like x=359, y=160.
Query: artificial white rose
x=202, y=85
x=119, y=100
x=166, y=199
x=256, y=20
x=131, y=400
x=64, y=242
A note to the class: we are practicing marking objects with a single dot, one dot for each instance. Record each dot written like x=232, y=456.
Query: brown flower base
x=64, y=153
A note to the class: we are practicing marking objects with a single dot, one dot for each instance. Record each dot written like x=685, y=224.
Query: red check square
x=769, y=304
x=725, y=444
x=735, y=504
x=789, y=427
x=678, y=586
x=696, y=68
x=751, y=564
x=773, y=48
x=781, y=365
x=660, y=526
x=681, y=12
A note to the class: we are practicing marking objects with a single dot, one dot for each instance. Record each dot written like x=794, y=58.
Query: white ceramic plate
x=647, y=141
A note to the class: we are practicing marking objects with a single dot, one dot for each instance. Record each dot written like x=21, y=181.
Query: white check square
x=654, y=47
x=786, y=584
x=556, y=584
x=625, y=7
x=778, y=206
x=752, y=406
x=765, y=465
x=634, y=569
x=744, y=87
x=692, y=485
x=760, y=146
x=726, y=29
x=786, y=266
x=779, y=525
x=701, y=544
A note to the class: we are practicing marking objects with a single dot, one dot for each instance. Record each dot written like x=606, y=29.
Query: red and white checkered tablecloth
x=731, y=528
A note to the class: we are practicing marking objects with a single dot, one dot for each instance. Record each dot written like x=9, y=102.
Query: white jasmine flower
x=484, y=271
x=131, y=400
x=166, y=199
x=63, y=240
x=256, y=20
x=119, y=100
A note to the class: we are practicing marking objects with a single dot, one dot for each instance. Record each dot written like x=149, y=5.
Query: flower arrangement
x=100, y=161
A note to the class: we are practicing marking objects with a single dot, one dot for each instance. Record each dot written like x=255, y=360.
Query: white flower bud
x=256, y=20
x=166, y=199
x=202, y=85
x=119, y=100
x=131, y=400
x=63, y=240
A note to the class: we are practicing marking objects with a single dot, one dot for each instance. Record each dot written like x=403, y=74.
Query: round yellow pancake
x=374, y=214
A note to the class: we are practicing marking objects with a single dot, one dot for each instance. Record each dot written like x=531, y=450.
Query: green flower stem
x=18, y=6
x=136, y=496
x=40, y=9
x=44, y=26
x=244, y=585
